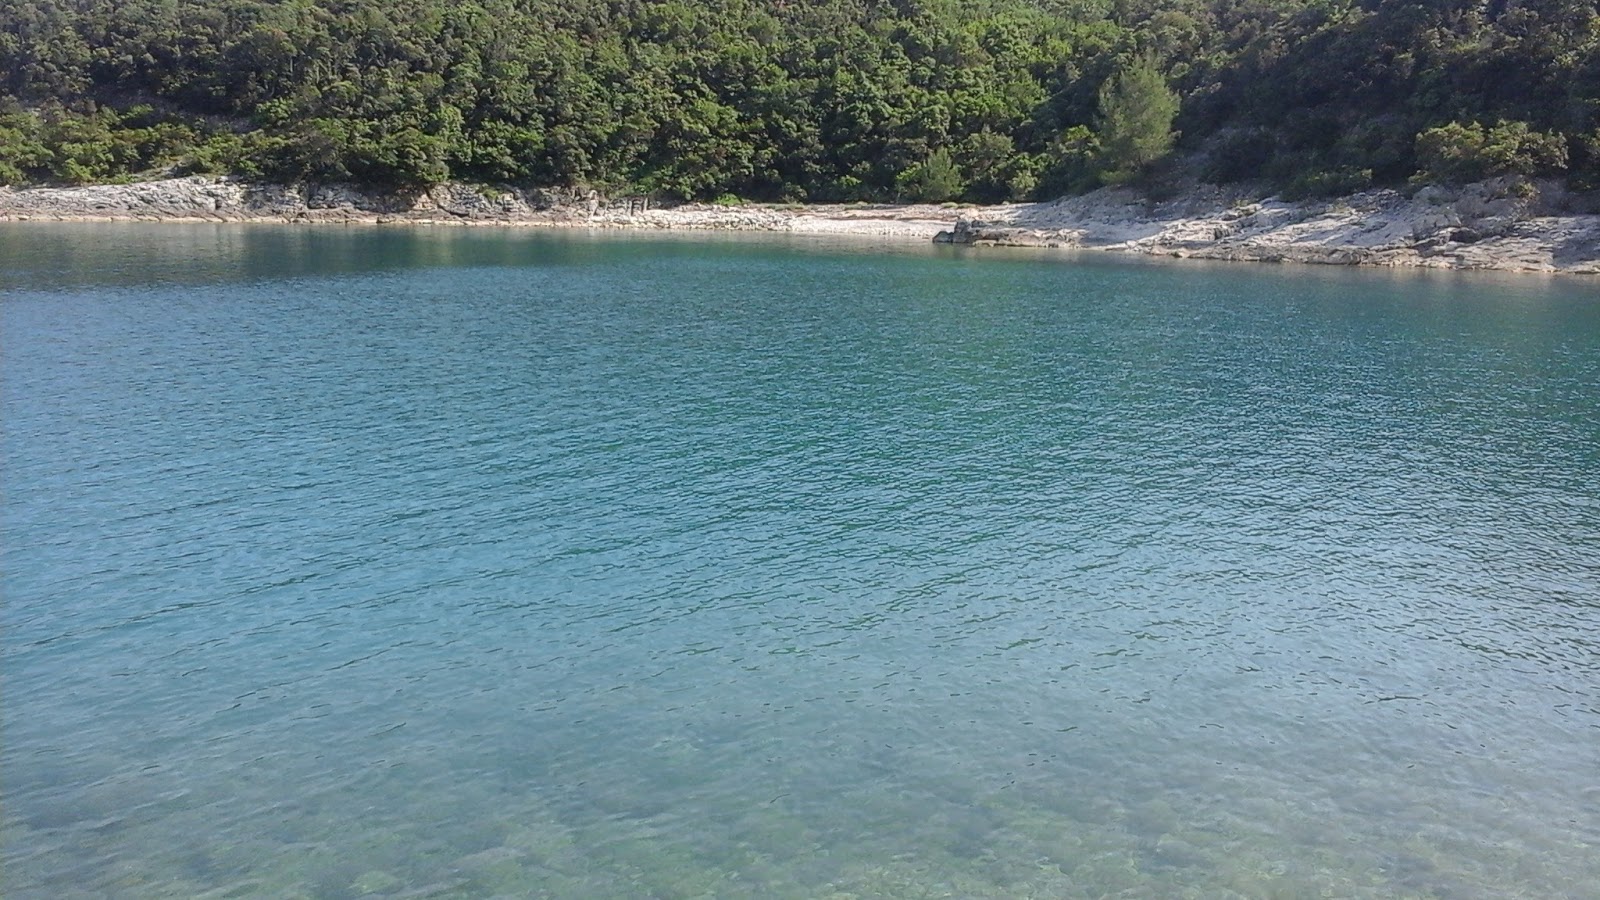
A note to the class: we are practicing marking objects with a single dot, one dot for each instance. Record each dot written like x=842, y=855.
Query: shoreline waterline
x=1472, y=228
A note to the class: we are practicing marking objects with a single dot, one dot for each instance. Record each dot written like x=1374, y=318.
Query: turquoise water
x=361, y=562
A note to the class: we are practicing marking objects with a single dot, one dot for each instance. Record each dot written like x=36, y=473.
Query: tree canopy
x=788, y=100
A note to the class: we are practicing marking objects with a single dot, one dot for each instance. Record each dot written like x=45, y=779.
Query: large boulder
x=970, y=231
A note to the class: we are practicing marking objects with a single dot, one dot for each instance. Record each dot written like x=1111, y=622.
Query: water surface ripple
x=364, y=562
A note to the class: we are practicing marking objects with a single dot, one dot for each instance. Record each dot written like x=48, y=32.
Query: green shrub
x=934, y=181
x=1469, y=152
x=23, y=154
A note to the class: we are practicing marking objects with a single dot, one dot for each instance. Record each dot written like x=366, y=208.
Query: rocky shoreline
x=1504, y=225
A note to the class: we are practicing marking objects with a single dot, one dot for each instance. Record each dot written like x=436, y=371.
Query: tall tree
x=1136, y=113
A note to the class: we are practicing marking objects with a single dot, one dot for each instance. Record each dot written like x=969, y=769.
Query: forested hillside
x=816, y=100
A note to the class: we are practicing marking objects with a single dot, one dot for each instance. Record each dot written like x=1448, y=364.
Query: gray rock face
x=972, y=231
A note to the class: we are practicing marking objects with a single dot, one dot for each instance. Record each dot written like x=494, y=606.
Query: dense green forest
x=821, y=100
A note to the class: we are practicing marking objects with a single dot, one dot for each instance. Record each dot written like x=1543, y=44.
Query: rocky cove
x=1502, y=224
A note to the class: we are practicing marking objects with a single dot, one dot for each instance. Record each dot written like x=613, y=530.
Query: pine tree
x=1136, y=113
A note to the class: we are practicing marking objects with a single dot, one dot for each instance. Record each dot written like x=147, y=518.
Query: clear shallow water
x=350, y=562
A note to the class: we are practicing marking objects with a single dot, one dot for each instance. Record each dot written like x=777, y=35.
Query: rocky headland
x=1505, y=224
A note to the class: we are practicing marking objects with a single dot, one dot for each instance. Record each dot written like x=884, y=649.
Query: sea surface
x=371, y=562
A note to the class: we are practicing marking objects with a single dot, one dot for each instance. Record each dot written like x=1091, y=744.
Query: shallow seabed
x=392, y=562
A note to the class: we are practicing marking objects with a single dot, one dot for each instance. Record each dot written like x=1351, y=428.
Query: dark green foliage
x=981, y=100
x=1327, y=183
x=1585, y=161
x=1344, y=87
x=1240, y=154
x=768, y=99
x=1074, y=166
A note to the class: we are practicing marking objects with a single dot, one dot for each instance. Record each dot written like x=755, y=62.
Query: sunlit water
x=357, y=562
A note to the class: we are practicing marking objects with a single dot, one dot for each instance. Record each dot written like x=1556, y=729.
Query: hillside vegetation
x=792, y=100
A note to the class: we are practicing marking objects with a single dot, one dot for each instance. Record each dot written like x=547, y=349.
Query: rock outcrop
x=1505, y=224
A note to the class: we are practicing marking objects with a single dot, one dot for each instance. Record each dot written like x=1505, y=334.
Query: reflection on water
x=363, y=562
